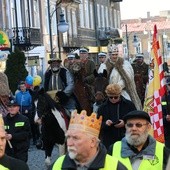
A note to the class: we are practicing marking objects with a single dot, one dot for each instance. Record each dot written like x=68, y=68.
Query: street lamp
x=62, y=26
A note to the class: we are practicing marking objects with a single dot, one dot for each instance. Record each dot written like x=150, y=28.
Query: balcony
x=70, y=1
x=107, y=33
x=26, y=37
x=116, y=0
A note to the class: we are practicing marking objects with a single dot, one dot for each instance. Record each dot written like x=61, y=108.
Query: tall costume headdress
x=90, y=124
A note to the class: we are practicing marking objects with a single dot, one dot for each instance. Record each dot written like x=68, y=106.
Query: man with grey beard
x=138, y=150
x=85, y=152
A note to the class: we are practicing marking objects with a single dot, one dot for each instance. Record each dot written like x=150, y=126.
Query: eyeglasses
x=138, y=125
x=113, y=97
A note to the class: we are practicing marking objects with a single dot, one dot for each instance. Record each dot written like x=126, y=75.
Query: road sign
x=33, y=61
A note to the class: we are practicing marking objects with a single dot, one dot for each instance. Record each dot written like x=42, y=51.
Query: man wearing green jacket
x=84, y=148
x=138, y=150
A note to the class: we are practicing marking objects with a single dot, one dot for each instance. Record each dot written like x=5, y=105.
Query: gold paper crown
x=89, y=124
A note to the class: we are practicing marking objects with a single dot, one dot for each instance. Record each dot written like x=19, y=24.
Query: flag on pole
x=155, y=90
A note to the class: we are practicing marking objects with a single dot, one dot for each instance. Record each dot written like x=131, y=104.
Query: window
x=98, y=16
x=91, y=16
x=69, y=19
x=111, y=17
x=36, y=14
x=106, y=17
x=86, y=11
x=74, y=18
x=115, y=18
x=81, y=14
x=102, y=16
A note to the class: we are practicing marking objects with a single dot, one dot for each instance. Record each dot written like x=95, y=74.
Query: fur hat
x=113, y=49
x=113, y=89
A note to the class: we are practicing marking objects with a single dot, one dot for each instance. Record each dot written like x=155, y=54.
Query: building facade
x=91, y=24
x=142, y=31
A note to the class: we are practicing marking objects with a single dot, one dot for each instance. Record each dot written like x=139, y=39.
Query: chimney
x=148, y=14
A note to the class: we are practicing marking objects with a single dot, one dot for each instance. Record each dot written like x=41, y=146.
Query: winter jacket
x=114, y=112
x=64, y=81
x=9, y=163
x=24, y=99
x=154, y=155
x=19, y=127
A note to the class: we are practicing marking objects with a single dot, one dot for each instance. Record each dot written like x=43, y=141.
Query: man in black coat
x=59, y=82
x=7, y=162
x=113, y=111
x=18, y=131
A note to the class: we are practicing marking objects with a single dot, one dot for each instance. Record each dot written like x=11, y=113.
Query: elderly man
x=84, y=148
x=7, y=162
x=59, y=79
x=121, y=72
x=139, y=150
x=112, y=111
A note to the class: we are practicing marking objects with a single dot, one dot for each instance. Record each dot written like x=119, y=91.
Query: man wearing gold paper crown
x=7, y=162
x=84, y=148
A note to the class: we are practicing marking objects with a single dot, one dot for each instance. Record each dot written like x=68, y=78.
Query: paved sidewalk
x=36, y=158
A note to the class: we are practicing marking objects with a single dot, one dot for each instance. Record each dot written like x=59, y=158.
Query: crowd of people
x=116, y=135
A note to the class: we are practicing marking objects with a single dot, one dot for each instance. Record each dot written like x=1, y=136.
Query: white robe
x=116, y=78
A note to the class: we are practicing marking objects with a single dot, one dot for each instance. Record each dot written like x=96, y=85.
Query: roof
x=140, y=27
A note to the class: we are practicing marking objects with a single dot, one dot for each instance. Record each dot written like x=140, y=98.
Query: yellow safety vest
x=3, y=167
x=110, y=163
x=156, y=163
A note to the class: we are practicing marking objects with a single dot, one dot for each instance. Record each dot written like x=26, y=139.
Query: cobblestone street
x=36, y=158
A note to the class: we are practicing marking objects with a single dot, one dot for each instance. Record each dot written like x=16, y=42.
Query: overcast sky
x=138, y=8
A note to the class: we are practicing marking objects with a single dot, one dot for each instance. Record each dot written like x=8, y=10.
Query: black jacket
x=19, y=127
x=12, y=163
x=114, y=112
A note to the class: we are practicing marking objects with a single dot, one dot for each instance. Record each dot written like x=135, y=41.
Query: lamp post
x=62, y=26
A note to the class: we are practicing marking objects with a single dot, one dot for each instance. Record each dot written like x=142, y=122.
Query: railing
x=25, y=36
x=116, y=0
x=106, y=33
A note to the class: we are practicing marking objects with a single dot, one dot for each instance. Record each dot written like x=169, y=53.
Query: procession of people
x=115, y=136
